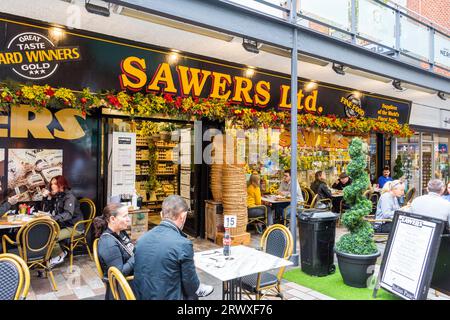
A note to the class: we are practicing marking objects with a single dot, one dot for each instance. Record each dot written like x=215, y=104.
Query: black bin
x=317, y=230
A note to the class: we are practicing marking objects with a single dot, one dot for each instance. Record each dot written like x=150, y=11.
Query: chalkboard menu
x=410, y=255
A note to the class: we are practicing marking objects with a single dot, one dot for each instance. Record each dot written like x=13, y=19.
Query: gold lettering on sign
x=71, y=128
x=21, y=123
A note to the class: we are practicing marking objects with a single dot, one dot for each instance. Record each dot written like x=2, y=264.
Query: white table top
x=245, y=261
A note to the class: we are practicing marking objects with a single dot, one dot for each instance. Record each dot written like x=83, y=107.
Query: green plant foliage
x=360, y=239
x=398, y=168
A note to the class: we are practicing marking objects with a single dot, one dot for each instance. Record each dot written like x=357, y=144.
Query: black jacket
x=164, y=267
x=340, y=185
x=115, y=251
x=65, y=207
x=321, y=189
x=5, y=206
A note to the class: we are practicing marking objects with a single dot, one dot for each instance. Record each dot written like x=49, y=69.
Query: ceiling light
x=310, y=86
x=357, y=94
x=441, y=95
x=249, y=72
x=173, y=57
x=56, y=33
x=338, y=68
x=250, y=45
x=367, y=75
x=95, y=9
x=397, y=84
x=132, y=13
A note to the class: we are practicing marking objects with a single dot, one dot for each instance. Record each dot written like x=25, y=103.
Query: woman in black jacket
x=65, y=210
x=115, y=248
x=319, y=186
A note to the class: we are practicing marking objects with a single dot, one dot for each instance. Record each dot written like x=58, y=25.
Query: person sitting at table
x=387, y=205
x=164, y=266
x=115, y=248
x=5, y=206
x=343, y=181
x=446, y=194
x=384, y=178
x=285, y=191
x=432, y=204
x=65, y=210
x=255, y=208
x=319, y=186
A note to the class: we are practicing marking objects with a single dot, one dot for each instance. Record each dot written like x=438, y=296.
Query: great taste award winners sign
x=410, y=256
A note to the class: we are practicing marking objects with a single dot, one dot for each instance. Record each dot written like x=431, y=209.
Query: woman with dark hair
x=446, y=194
x=65, y=210
x=115, y=248
x=320, y=187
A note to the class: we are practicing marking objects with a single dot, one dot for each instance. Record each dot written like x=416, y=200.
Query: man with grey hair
x=432, y=204
x=164, y=259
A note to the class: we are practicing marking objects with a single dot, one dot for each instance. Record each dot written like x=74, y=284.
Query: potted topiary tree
x=356, y=251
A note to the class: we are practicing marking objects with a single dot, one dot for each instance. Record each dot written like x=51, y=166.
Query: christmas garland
x=150, y=104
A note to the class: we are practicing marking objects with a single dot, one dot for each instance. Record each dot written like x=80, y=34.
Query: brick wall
x=437, y=11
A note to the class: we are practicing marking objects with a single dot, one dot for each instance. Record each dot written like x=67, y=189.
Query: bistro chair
x=120, y=288
x=287, y=212
x=316, y=201
x=259, y=218
x=98, y=264
x=378, y=236
x=410, y=194
x=310, y=196
x=276, y=240
x=79, y=238
x=305, y=195
x=14, y=277
x=35, y=241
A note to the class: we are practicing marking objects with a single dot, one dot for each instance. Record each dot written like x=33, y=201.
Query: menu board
x=122, y=167
x=410, y=255
x=185, y=166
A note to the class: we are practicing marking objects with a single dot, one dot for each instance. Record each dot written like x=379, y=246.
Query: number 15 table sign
x=230, y=221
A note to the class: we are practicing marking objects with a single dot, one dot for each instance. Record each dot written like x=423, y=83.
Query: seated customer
x=164, y=267
x=384, y=178
x=5, y=206
x=432, y=204
x=255, y=208
x=387, y=205
x=319, y=186
x=343, y=181
x=65, y=210
x=115, y=248
x=285, y=190
x=446, y=194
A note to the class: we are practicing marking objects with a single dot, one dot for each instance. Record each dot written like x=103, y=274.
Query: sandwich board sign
x=410, y=255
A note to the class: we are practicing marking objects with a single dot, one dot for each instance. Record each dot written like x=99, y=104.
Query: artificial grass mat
x=333, y=286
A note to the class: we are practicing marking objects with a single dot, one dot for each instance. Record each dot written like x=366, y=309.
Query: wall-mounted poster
x=30, y=170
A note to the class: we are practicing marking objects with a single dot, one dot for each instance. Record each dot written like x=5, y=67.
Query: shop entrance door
x=427, y=161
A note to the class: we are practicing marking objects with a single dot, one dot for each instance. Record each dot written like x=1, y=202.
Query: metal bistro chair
x=287, y=212
x=14, y=277
x=410, y=194
x=120, y=288
x=35, y=241
x=78, y=238
x=315, y=202
x=310, y=197
x=257, y=219
x=276, y=240
x=98, y=264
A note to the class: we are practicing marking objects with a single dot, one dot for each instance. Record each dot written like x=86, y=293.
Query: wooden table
x=242, y=262
x=273, y=203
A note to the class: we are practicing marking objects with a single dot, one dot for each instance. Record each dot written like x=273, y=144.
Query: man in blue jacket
x=164, y=259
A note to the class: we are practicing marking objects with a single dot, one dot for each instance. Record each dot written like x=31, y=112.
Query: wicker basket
x=216, y=182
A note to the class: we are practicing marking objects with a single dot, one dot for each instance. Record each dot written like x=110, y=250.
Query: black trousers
x=384, y=228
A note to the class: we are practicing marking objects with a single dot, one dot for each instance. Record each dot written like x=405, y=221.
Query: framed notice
x=410, y=255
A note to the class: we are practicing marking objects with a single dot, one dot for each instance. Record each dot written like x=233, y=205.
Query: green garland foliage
x=360, y=239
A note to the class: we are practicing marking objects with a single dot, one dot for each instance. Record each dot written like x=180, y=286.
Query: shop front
x=118, y=117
